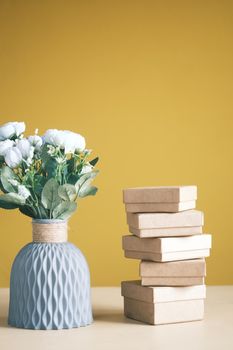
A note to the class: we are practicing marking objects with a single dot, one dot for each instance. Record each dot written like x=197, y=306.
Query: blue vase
x=50, y=282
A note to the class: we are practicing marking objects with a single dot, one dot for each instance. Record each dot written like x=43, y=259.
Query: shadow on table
x=102, y=316
x=108, y=317
x=113, y=316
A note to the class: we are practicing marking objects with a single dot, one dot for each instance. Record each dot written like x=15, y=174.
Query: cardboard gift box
x=162, y=305
x=166, y=232
x=161, y=194
x=159, y=207
x=187, y=218
x=167, y=248
x=174, y=273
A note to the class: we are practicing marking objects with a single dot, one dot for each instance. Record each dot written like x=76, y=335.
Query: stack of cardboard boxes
x=167, y=236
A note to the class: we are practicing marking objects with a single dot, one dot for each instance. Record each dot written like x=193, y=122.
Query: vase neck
x=49, y=231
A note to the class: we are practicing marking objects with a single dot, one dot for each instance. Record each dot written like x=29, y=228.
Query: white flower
x=11, y=129
x=13, y=157
x=35, y=141
x=86, y=169
x=49, y=136
x=80, y=143
x=6, y=131
x=65, y=139
x=19, y=128
x=69, y=141
x=31, y=155
x=23, y=191
x=25, y=148
x=5, y=145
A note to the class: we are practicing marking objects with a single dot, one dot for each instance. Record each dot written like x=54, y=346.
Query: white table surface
x=111, y=330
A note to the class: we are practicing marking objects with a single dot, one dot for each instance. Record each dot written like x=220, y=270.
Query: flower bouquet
x=43, y=177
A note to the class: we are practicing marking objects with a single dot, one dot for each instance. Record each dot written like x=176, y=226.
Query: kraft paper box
x=159, y=207
x=167, y=248
x=172, y=281
x=166, y=232
x=185, y=268
x=162, y=305
x=134, y=290
x=162, y=194
x=164, y=313
x=175, y=273
x=164, y=220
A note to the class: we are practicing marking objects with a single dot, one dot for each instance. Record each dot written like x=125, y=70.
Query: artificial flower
x=13, y=157
x=64, y=139
x=36, y=141
x=5, y=145
x=25, y=147
x=11, y=129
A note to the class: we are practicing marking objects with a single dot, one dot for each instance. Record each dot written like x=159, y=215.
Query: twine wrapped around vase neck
x=49, y=231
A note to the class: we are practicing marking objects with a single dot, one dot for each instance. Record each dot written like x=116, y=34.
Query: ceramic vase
x=50, y=281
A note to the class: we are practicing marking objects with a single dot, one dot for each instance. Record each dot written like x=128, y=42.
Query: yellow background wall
x=149, y=84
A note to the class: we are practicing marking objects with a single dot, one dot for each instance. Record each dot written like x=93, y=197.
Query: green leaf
x=94, y=161
x=71, y=164
x=88, y=191
x=49, y=196
x=73, y=178
x=67, y=192
x=44, y=212
x=64, y=210
x=39, y=183
x=85, y=180
x=6, y=205
x=26, y=210
x=45, y=156
x=79, y=168
x=11, y=201
x=8, y=174
x=2, y=188
x=51, y=168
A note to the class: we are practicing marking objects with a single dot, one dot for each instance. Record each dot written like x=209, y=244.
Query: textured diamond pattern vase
x=50, y=282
